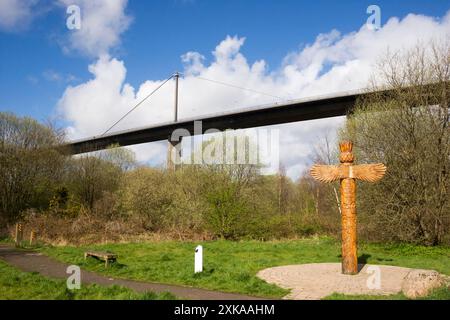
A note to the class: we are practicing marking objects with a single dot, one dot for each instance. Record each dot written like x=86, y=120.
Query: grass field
x=438, y=294
x=232, y=266
x=17, y=285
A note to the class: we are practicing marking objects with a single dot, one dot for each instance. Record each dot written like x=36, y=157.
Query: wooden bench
x=105, y=256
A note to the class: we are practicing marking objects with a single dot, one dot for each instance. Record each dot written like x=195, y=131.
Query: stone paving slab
x=318, y=280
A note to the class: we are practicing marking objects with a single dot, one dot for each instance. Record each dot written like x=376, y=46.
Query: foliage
x=30, y=168
x=163, y=200
x=226, y=210
x=90, y=177
x=409, y=131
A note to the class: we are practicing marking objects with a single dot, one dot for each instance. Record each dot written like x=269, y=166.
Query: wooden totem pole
x=348, y=174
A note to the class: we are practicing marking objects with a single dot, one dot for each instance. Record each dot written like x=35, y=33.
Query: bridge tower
x=174, y=147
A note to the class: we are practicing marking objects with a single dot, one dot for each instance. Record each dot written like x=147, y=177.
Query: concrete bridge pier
x=174, y=153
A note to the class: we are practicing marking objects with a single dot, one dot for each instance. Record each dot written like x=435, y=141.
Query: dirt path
x=30, y=261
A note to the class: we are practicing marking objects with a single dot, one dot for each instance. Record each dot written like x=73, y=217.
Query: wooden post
x=19, y=234
x=32, y=236
x=347, y=173
x=16, y=236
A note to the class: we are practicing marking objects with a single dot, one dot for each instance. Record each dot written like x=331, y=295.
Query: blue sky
x=87, y=79
x=161, y=31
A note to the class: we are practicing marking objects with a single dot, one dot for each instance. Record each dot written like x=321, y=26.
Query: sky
x=85, y=79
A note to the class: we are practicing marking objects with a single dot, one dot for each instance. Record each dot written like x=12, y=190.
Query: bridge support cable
x=174, y=150
x=241, y=88
x=137, y=105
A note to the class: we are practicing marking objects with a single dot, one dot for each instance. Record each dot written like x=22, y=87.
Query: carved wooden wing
x=325, y=173
x=369, y=172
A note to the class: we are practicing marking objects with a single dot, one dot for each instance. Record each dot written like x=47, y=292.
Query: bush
x=30, y=167
x=409, y=132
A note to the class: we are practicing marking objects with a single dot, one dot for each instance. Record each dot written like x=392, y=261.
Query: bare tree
x=91, y=176
x=326, y=153
x=407, y=130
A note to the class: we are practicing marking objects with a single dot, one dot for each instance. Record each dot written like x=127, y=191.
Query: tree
x=326, y=195
x=231, y=173
x=407, y=130
x=30, y=166
x=91, y=176
x=233, y=156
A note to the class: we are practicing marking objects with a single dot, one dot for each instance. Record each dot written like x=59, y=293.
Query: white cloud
x=333, y=63
x=102, y=23
x=16, y=14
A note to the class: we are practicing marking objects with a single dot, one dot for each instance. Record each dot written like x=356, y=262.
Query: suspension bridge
x=264, y=115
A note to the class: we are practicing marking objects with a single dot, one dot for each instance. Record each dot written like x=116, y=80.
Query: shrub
x=407, y=130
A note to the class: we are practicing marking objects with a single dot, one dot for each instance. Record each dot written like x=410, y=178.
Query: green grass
x=17, y=285
x=232, y=266
x=438, y=294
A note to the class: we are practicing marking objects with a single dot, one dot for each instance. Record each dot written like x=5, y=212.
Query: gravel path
x=30, y=261
x=318, y=280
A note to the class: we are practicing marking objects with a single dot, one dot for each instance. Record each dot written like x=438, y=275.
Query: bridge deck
x=292, y=111
x=278, y=113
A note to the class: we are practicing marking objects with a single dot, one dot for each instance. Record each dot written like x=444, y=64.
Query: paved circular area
x=318, y=280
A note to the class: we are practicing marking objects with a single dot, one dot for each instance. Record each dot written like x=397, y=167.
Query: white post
x=198, y=259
